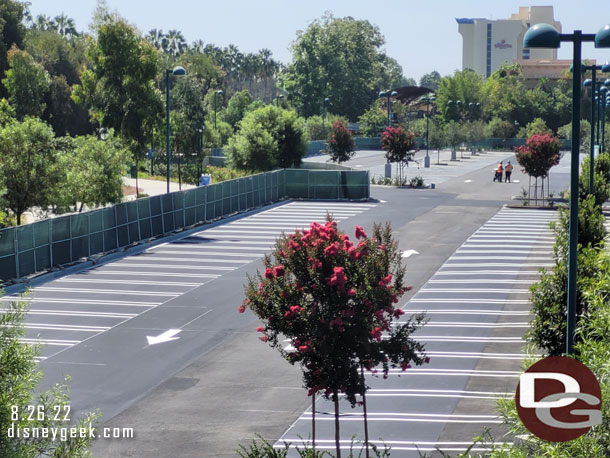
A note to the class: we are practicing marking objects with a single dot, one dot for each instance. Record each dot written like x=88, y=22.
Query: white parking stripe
x=208, y=253
x=186, y=259
x=168, y=266
x=159, y=274
x=80, y=301
x=108, y=291
x=125, y=282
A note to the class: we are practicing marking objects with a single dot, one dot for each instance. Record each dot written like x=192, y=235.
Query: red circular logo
x=559, y=399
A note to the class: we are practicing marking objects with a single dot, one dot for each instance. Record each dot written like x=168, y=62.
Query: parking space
x=72, y=309
x=478, y=309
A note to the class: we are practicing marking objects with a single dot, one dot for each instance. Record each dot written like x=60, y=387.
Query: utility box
x=205, y=180
x=388, y=170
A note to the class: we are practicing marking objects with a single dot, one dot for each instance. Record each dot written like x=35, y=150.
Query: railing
x=36, y=247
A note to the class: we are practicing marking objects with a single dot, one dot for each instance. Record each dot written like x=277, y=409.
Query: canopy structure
x=409, y=94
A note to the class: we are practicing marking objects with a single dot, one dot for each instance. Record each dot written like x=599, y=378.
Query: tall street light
x=178, y=71
x=325, y=103
x=388, y=94
x=545, y=36
x=603, y=92
x=428, y=101
x=218, y=92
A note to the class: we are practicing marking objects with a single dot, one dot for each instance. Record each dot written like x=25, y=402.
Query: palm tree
x=65, y=26
x=157, y=38
x=43, y=22
x=198, y=46
x=176, y=43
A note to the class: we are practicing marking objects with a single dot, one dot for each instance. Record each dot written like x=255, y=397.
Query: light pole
x=388, y=94
x=324, y=105
x=545, y=36
x=277, y=99
x=603, y=91
x=178, y=71
x=199, y=163
x=218, y=92
x=428, y=101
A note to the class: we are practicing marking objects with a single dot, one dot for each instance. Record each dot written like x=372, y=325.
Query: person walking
x=508, y=170
x=498, y=174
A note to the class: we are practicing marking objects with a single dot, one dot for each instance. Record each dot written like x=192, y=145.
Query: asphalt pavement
x=209, y=384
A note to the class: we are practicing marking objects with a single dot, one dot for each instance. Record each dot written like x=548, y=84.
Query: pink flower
x=278, y=271
x=332, y=249
x=264, y=338
x=296, y=309
x=382, y=247
x=303, y=348
x=269, y=273
x=317, y=264
x=426, y=359
x=360, y=234
x=405, y=365
x=241, y=308
x=338, y=277
x=260, y=329
x=376, y=334
x=351, y=292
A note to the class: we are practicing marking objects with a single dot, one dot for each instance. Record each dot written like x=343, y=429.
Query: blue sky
x=421, y=35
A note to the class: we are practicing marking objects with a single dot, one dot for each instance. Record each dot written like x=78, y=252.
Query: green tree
x=269, y=137
x=26, y=164
x=537, y=126
x=19, y=377
x=119, y=86
x=7, y=112
x=92, y=172
x=454, y=134
x=373, y=121
x=430, y=80
x=464, y=86
x=12, y=32
x=499, y=128
x=317, y=127
x=340, y=57
x=237, y=107
x=27, y=84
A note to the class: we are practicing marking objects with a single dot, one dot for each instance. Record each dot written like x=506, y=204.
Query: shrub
x=269, y=137
x=340, y=143
x=397, y=143
x=373, y=121
x=317, y=127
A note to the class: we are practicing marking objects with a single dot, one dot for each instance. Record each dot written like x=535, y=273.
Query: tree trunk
x=313, y=424
x=337, y=427
x=366, y=421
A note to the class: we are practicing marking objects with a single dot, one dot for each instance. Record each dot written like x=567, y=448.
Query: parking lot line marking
x=210, y=253
x=171, y=266
x=446, y=324
x=460, y=311
x=508, y=258
x=494, y=281
x=163, y=258
x=486, y=272
x=54, y=342
x=399, y=419
x=467, y=340
x=79, y=301
x=160, y=274
x=210, y=241
x=497, y=264
x=471, y=301
x=125, y=282
x=107, y=291
x=80, y=313
x=475, y=290
x=65, y=327
x=219, y=234
x=192, y=248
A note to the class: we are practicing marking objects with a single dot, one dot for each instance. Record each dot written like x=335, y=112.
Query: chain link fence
x=40, y=246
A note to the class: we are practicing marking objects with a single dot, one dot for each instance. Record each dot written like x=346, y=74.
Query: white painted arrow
x=408, y=253
x=467, y=181
x=163, y=337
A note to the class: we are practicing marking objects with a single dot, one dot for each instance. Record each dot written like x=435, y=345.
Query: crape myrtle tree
x=340, y=143
x=397, y=142
x=537, y=156
x=335, y=300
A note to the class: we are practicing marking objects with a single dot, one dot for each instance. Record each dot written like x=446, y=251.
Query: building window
x=488, y=50
x=526, y=54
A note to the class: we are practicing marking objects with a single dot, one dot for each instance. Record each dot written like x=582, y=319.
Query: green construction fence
x=40, y=246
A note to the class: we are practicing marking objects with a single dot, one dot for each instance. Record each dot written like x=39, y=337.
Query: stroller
x=498, y=173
